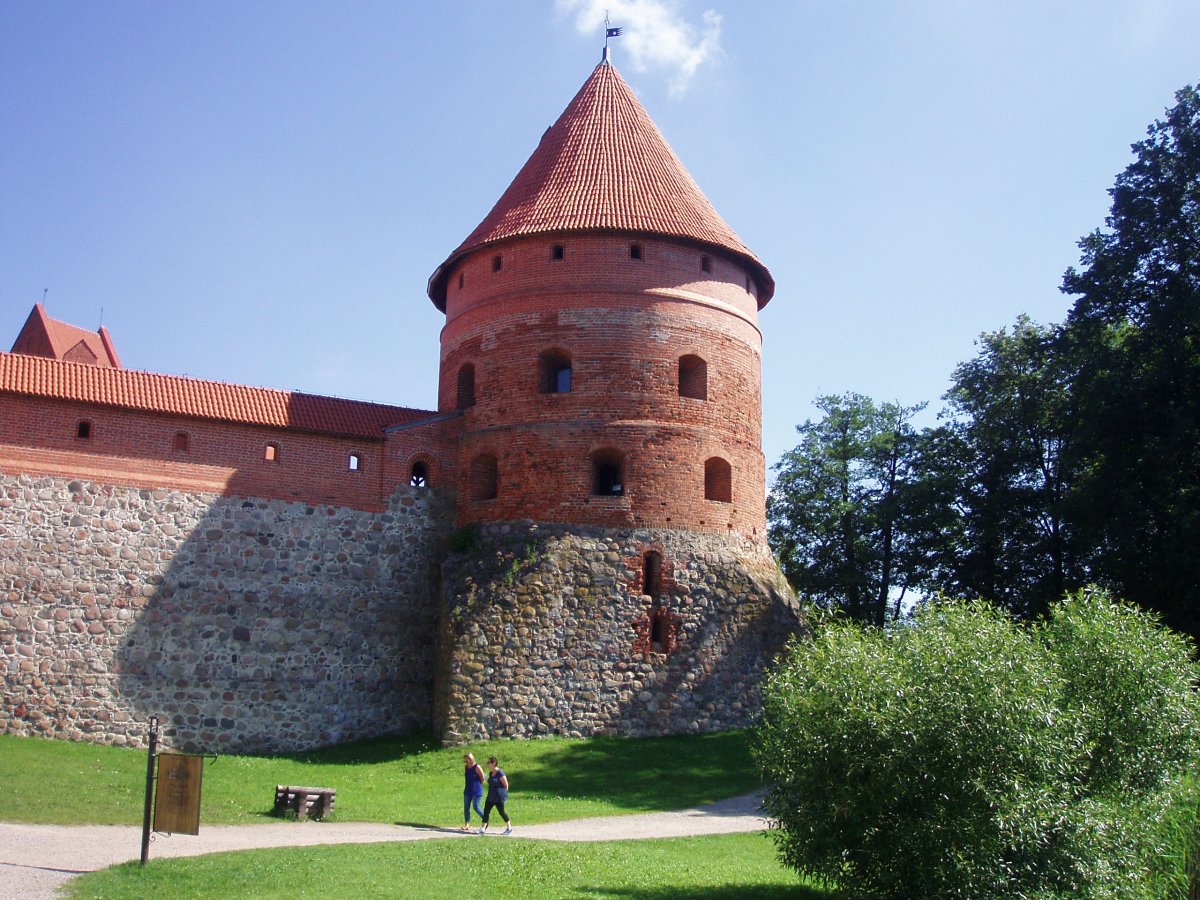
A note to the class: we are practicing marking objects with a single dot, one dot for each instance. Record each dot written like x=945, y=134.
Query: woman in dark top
x=497, y=796
x=472, y=790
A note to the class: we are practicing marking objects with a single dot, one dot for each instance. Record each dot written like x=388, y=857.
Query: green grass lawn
x=741, y=866
x=410, y=780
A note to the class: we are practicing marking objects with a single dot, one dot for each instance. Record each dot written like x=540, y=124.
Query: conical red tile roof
x=604, y=166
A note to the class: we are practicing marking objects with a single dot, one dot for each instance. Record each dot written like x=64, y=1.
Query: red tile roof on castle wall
x=604, y=166
x=176, y=395
x=45, y=336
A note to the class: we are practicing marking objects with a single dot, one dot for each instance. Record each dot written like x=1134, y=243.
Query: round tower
x=602, y=338
x=602, y=355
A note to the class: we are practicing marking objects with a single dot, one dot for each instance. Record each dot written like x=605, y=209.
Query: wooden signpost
x=173, y=799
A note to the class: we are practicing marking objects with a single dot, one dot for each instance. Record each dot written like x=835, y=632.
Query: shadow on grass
x=368, y=752
x=648, y=773
x=723, y=892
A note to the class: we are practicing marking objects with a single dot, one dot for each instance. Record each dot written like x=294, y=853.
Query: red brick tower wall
x=623, y=311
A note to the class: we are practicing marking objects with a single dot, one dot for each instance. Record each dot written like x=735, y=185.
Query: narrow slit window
x=660, y=628
x=652, y=573
x=460, y=280
x=180, y=443
x=466, y=386
x=706, y=263
x=558, y=251
x=497, y=262
x=484, y=477
x=693, y=377
x=554, y=372
x=718, y=480
x=271, y=453
x=83, y=430
x=608, y=473
x=635, y=251
x=354, y=462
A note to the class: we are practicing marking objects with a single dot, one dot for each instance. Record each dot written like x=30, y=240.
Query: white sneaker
x=507, y=829
x=479, y=830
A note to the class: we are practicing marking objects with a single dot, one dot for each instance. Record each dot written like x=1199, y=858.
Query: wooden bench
x=306, y=802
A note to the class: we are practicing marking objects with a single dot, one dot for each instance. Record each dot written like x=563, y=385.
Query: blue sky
x=258, y=192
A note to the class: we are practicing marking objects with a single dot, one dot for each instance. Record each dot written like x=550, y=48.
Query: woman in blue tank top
x=472, y=790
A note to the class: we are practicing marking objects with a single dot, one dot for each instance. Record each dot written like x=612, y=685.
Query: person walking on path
x=472, y=790
x=497, y=796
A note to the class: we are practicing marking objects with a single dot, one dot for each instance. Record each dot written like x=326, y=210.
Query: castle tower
x=603, y=349
x=602, y=337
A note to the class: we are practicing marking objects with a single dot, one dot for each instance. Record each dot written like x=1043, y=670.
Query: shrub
x=968, y=756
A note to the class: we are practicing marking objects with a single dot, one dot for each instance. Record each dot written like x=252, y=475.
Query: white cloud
x=655, y=34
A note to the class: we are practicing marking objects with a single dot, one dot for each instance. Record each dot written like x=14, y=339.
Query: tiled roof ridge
x=604, y=166
x=61, y=337
x=197, y=398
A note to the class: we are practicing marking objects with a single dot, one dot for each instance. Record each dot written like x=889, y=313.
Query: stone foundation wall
x=245, y=625
x=547, y=630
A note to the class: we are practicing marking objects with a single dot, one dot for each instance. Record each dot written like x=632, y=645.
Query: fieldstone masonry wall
x=246, y=625
x=546, y=630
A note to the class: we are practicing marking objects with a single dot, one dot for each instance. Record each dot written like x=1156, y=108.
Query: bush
x=967, y=756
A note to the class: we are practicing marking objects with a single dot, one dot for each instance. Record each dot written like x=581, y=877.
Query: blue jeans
x=470, y=802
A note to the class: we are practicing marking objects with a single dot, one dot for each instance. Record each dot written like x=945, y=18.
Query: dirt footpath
x=36, y=859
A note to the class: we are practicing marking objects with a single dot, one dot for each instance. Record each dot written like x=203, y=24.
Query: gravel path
x=36, y=859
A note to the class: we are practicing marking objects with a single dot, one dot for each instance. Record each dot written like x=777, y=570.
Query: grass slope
x=411, y=780
x=741, y=866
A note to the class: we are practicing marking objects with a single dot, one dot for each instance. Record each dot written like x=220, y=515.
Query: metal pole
x=149, y=788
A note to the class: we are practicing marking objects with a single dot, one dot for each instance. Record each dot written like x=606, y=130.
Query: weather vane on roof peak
x=610, y=31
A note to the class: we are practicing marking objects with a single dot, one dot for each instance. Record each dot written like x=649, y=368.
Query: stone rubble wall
x=544, y=630
x=245, y=625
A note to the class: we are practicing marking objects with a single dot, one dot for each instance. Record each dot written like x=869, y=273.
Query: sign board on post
x=177, y=799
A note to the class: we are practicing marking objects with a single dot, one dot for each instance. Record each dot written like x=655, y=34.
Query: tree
x=969, y=756
x=1133, y=338
x=836, y=512
x=1009, y=410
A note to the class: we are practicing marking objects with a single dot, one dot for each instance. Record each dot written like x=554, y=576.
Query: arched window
x=83, y=430
x=181, y=441
x=354, y=462
x=608, y=473
x=484, y=477
x=419, y=476
x=693, y=377
x=554, y=372
x=271, y=452
x=466, y=386
x=718, y=480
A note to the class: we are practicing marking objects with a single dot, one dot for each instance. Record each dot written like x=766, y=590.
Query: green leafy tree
x=965, y=755
x=1004, y=450
x=1133, y=338
x=836, y=513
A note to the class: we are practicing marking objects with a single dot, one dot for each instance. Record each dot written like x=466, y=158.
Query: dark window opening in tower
x=181, y=441
x=466, y=386
x=718, y=480
x=660, y=627
x=484, y=477
x=419, y=476
x=460, y=280
x=271, y=453
x=706, y=264
x=554, y=372
x=652, y=573
x=693, y=377
x=497, y=262
x=606, y=473
x=635, y=251
x=558, y=251
x=354, y=463
x=83, y=430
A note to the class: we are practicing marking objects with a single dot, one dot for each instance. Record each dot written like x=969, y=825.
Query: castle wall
x=549, y=630
x=245, y=624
